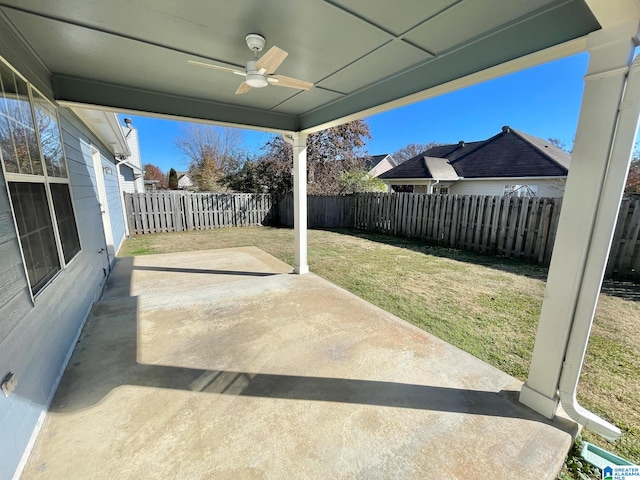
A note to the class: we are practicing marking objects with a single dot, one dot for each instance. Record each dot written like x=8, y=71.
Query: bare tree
x=561, y=144
x=212, y=152
x=633, y=177
x=412, y=150
x=330, y=153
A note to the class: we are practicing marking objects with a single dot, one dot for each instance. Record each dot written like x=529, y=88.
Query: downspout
x=431, y=185
x=119, y=162
x=617, y=170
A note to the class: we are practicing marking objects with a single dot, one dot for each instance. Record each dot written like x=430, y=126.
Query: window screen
x=36, y=232
x=66, y=220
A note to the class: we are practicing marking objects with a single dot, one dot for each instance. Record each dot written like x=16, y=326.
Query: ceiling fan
x=259, y=71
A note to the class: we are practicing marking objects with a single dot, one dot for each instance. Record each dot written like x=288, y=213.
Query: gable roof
x=371, y=162
x=440, y=168
x=510, y=153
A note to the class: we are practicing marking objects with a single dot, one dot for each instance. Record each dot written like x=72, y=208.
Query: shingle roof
x=440, y=168
x=508, y=154
x=415, y=167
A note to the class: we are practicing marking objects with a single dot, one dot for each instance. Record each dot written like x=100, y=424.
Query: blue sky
x=543, y=101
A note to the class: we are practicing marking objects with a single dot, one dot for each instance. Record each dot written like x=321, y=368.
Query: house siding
x=78, y=142
x=127, y=179
x=185, y=182
x=546, y=187
x=384, y=166
x=36, y=338
x=137, y=184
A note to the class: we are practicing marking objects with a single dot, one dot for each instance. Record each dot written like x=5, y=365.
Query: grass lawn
x=486, y=306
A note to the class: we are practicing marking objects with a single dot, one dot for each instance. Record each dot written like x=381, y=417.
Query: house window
x=441, y=190
x=402, y=188
x=65, y=220
x=33, y=217
x=36, y=174
x=520, y=190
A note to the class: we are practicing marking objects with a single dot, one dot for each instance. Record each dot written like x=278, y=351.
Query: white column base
x=301, y=269
x=540, y=403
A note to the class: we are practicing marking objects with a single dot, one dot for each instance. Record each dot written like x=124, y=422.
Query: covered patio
x=409, y=392
x=221, y=364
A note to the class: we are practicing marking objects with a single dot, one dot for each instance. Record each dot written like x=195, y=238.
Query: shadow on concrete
x=90, y=377
x=108, y=356
x=205, y=271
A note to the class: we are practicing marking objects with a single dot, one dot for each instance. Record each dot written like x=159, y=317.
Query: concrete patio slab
x=221, y=364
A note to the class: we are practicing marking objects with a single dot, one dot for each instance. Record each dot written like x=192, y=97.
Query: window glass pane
x=47, y=122
x=18, y=142
x=521, y=190
x=66, y=220
x=36, y=232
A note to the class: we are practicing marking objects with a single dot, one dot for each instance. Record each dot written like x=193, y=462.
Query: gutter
x=122, y=160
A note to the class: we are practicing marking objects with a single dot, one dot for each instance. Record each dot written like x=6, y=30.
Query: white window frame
x=521, y=191
x=47, y=180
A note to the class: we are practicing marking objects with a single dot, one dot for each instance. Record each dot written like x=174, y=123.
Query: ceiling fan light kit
x=259, y=71
x=254, y=78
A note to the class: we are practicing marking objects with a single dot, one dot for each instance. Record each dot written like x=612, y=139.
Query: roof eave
x=106, y=127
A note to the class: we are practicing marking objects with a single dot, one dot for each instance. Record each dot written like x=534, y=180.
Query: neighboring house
x=130, y=168
x=510, y=163
x=184, y=181
x=151, y=185
x=61, y=224
x=378, y=164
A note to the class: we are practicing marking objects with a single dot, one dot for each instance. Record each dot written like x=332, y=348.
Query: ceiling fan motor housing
x=254, y=78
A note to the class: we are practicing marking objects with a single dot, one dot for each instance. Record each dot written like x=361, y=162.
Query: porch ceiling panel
x=466, y=21
x=147, y=67
x=391, y=58
x=133, y=55
x=395, y=17
x=314, y=98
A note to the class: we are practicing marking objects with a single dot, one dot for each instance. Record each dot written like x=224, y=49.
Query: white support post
x=299, y=143
x=594, y=188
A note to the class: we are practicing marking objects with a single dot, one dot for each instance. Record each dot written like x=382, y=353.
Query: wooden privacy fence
x=322, y=212
x=154, y=212
x=507, y=226
x=624, y=258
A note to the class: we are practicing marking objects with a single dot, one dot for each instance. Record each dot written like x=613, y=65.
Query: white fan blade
x=282, y=81
x=216, y=67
